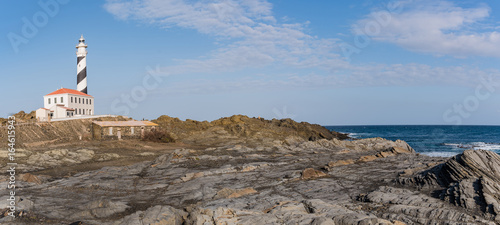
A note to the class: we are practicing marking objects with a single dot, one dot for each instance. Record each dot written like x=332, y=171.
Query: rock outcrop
x=239, y=184
x=413, y=207
x=241, y=170
x=239, y=127
x=470, y=180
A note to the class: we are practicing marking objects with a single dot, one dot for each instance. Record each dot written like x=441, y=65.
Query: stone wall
x=40, y=133
x=111, y=133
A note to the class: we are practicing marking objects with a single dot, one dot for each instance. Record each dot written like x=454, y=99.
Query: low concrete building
x=43, y=114
x=109, y=130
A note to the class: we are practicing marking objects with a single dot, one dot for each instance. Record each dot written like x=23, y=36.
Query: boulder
x=30, y=178
x=310, y=173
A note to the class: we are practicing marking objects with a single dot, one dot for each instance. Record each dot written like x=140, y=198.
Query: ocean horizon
x=432, y=140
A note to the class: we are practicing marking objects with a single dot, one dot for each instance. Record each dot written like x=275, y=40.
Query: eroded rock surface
x=470, y=180
x=290, y=182
x=241, y=170
x=239, y=128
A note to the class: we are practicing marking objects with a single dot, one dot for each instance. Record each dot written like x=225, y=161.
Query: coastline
x=433, y=140
x=241, y=170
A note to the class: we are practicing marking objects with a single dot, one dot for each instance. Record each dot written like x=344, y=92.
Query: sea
x=432, y=140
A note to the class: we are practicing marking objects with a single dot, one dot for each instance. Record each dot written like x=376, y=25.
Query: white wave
x=355, y=135
x=440, y=154
x=352, y=135
x=486, y=146
x=475, y=145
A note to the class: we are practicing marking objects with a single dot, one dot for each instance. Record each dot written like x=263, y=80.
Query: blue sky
x=328, y=62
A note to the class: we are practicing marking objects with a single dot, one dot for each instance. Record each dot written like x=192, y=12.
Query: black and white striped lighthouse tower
x=81, y=68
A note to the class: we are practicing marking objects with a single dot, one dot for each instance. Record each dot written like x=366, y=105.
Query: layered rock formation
x=241, y=170
x=470, y=180
x=240, y=129
x=237, y=184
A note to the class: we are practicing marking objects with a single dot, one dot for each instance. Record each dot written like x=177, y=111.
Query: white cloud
x=221, y=18
x=438, y=27
x=402, y=75
x=250, y=35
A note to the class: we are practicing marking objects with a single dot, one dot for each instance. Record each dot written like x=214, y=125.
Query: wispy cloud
x=438, y=27
x=249, y=32
x=402, y=75
x=251, y=37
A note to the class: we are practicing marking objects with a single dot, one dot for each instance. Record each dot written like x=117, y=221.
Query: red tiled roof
x=68, y=91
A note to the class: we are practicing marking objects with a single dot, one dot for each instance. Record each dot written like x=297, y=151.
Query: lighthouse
x=81, y=68
x=65, y=103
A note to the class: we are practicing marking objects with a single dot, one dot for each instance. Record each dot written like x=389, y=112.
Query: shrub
x=158, y=135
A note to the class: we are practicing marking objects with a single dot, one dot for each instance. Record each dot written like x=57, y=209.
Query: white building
x=65, y=102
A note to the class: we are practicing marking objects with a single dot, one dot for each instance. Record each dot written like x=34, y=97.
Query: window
x=132, y=130
x=79, y=100
x=79, y=111
x=71, y=99
x=87, y=101
x=55, y=100
x=90, y=100
x=111, y=131
x=49, y=100
x=90, y=111
x=62, y=100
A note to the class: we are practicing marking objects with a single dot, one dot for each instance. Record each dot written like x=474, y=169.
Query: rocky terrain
x=241, y=170
x=470, y=180
x=240, y=128
x=30, y=133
